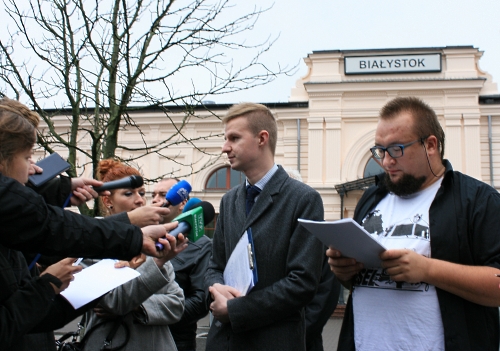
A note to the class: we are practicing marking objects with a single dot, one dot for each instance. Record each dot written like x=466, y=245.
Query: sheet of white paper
x=347, y=236
x=237, y=272
x=95, y=281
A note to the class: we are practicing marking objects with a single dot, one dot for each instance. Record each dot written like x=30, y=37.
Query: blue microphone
x=178, y=193
x=192, y=202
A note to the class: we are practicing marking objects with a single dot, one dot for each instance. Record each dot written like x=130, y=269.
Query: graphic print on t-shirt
x=412, y=309
x=410, y=233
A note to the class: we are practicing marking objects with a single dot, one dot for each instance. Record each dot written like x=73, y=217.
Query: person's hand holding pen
x=64, y=270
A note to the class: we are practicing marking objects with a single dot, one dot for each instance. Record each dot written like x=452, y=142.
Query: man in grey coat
x=271, y=315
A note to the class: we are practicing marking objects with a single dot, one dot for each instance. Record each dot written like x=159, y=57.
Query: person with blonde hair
x=288, y=258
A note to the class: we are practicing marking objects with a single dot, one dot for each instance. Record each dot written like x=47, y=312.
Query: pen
x=77, y=262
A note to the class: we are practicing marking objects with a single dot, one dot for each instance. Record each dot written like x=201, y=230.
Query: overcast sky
x=304, y=26
x=315, y=25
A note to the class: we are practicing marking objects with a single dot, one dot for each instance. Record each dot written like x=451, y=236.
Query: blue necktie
x=252, y=193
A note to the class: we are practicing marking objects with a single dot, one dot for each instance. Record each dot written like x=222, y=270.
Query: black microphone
x=133, y=181
x=193, y=222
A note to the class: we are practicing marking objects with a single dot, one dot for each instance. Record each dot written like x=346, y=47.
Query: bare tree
x=93, y=61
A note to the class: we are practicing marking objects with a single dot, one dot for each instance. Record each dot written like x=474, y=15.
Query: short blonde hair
x=259, y=118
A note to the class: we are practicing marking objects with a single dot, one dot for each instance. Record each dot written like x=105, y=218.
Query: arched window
x=372, y=168
x=224, y=179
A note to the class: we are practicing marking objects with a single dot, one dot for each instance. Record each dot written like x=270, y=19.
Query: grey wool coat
x=160, y=301
x=271, y=316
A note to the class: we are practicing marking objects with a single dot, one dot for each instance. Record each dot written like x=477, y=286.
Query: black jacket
x=464, y=229
x=190, y=268
x=55, y=192
x=27, y=223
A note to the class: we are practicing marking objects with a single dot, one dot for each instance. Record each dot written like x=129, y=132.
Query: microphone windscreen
x=178, y=193
x=208, y=211
x=192, y=202
x=136, y=181
x=133, y=181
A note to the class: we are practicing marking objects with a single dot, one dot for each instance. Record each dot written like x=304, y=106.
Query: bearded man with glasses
x=437, y=288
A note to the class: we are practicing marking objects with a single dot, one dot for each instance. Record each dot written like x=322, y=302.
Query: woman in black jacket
x=19, y=292
x=31, y=305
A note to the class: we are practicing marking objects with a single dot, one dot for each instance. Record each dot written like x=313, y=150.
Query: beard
x=407, y=185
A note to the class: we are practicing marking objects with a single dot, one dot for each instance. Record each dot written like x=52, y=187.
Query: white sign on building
x=392, y=64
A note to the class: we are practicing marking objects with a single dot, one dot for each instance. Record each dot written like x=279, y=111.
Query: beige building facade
x=328, y=125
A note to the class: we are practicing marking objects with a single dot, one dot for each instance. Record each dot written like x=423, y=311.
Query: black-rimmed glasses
x=395, y=151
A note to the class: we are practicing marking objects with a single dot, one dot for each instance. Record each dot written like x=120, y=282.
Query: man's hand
x=82, y=190
x=172, y=247
x=148, y=215
x=345, y=268
x=405, y=265
x=63, y=270
x=220, y=295
x=159, y=233
x=227, y=291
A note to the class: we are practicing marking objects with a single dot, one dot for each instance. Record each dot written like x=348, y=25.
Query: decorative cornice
x=391, y=80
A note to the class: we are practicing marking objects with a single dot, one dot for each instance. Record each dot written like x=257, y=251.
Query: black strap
x=119, y=321
x=80, y=345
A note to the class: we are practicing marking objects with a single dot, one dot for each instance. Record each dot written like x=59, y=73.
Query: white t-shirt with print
x=392, y=315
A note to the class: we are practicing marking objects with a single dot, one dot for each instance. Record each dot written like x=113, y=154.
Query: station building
x=326, y=129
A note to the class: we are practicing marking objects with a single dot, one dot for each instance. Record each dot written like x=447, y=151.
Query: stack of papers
x=95, y=281
x=347, y=236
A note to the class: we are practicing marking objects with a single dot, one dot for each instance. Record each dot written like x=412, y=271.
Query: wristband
x=52, y=279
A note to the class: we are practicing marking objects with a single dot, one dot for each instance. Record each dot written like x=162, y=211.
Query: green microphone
x=192, y=223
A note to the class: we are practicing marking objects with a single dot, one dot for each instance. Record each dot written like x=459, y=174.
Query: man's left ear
x=263, y=137
x=431, y=144
x=181, y=205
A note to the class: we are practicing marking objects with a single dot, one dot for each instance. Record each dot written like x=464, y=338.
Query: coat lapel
x=239, y=216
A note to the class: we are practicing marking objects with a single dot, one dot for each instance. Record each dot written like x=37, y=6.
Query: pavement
x=330, y=332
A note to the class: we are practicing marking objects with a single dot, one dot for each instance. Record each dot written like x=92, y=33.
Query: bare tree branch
x=85, y=63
